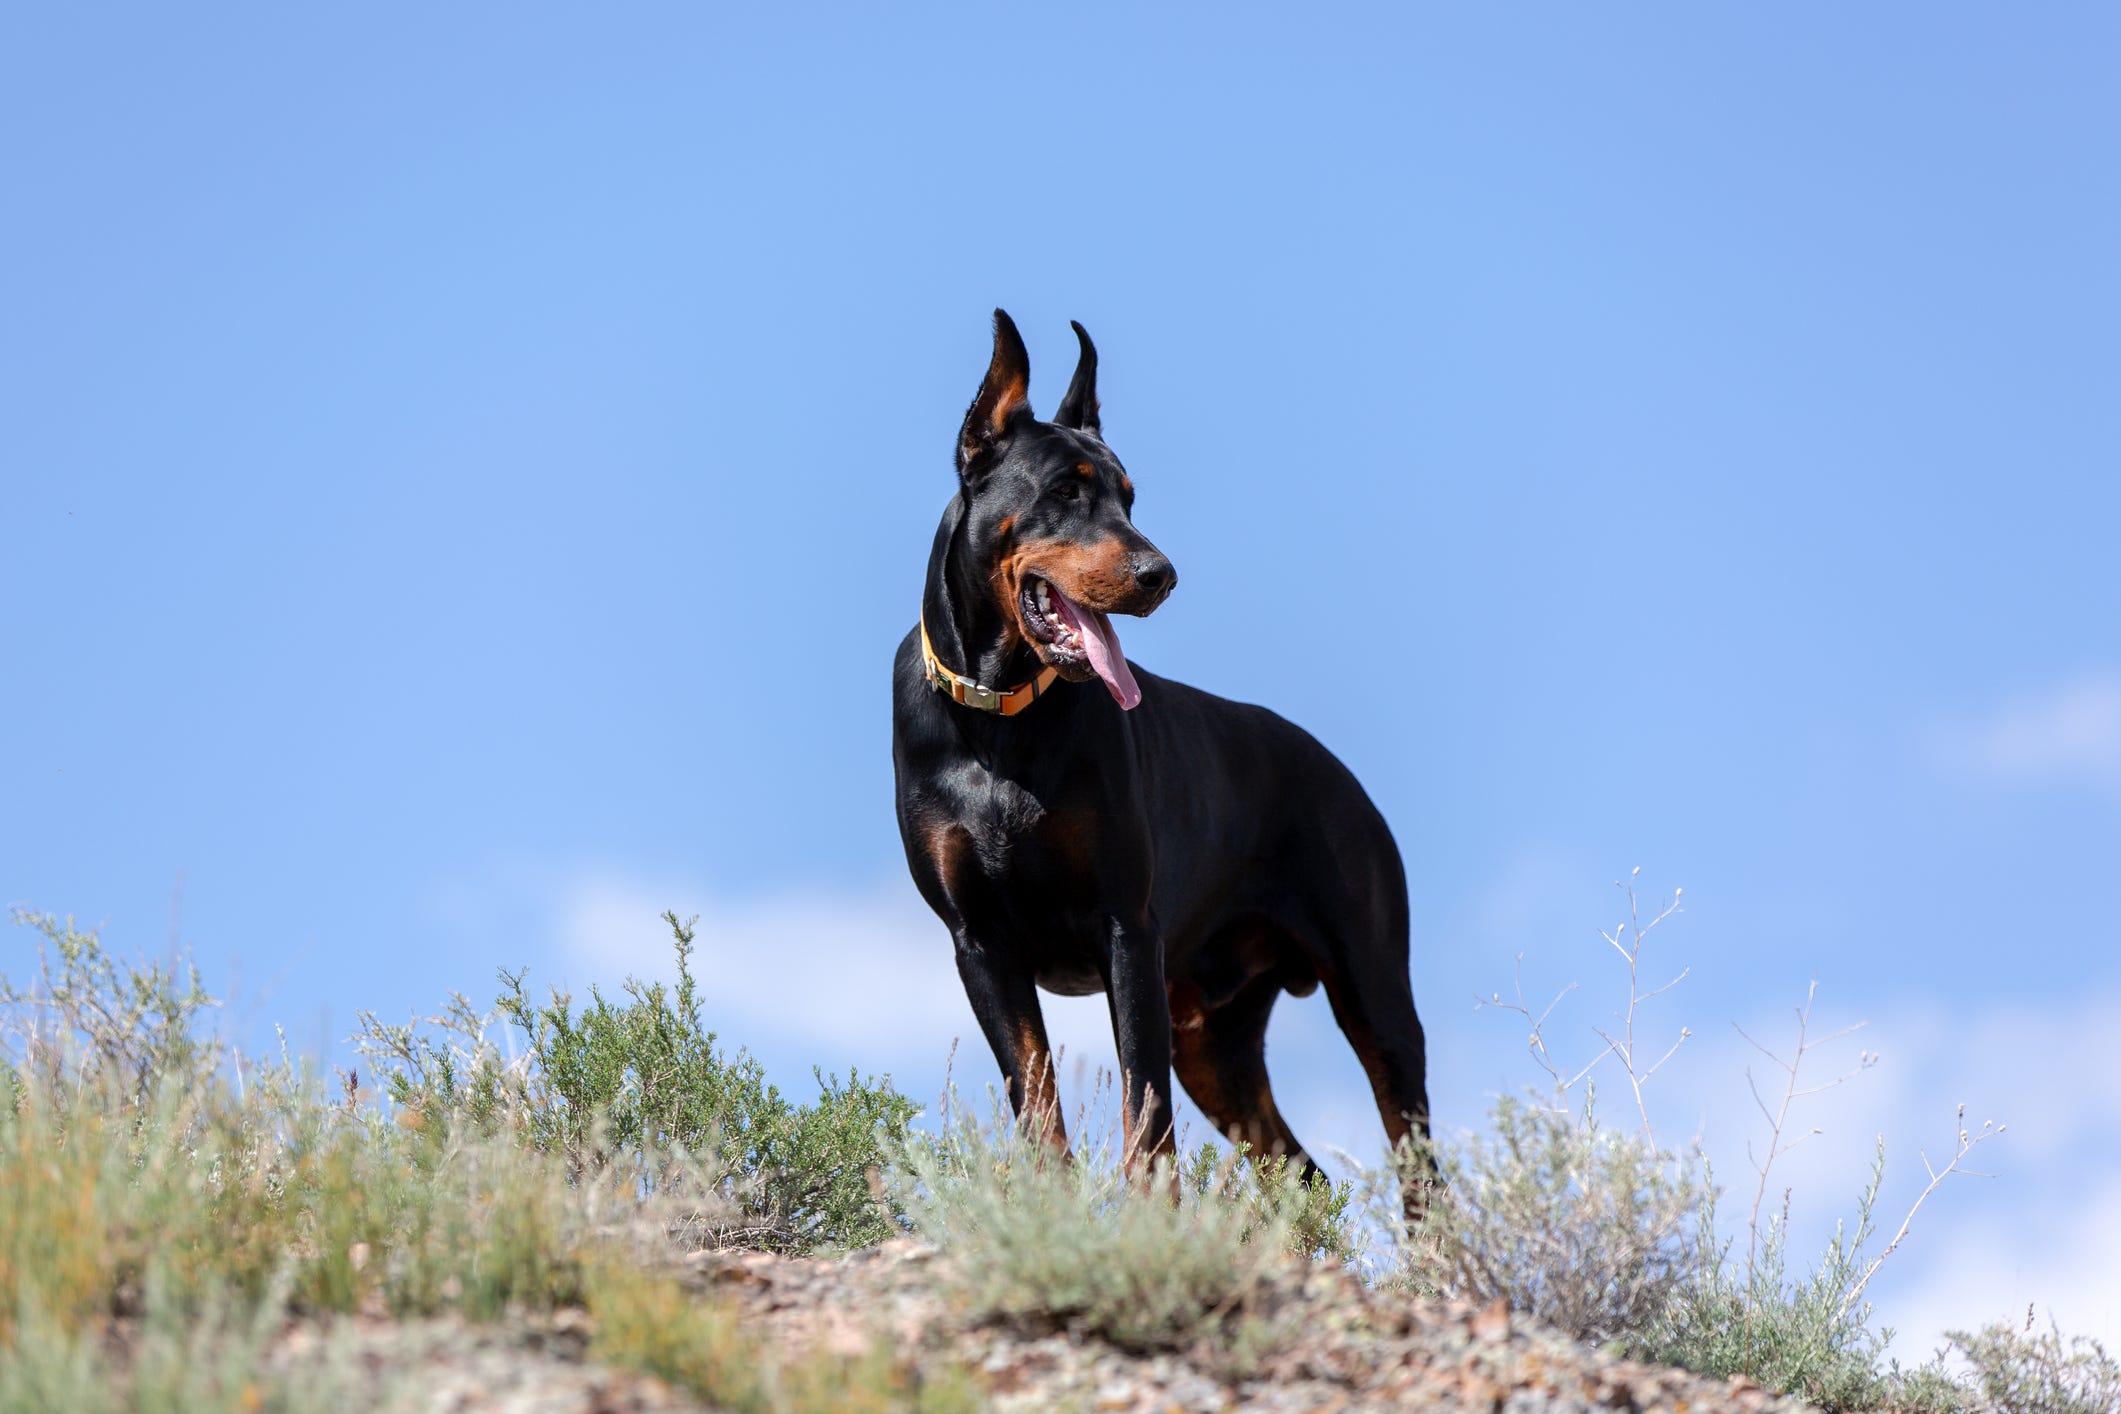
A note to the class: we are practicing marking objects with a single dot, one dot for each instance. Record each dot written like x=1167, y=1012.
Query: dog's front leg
x=1004, y=996
x=1141, y=1026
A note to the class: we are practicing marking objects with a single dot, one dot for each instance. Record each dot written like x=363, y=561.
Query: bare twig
x=1964, y=1145
x=1778, y=1127
x=1535, y=1041
x=1778, y=1118
x=1626, y=939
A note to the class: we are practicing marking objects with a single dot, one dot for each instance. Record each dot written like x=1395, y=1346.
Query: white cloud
x=861, y=972
x=2068, y=733
x=2059, y=1260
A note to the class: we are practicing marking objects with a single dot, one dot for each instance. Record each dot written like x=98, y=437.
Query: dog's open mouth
x=1075, y=639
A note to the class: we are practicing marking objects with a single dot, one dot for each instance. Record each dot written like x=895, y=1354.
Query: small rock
x=1492, y=1326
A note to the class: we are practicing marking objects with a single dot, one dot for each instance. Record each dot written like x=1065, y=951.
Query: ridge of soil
x=1334, y=1345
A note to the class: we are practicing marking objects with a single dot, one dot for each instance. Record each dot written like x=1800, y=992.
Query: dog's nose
x=1153, y=573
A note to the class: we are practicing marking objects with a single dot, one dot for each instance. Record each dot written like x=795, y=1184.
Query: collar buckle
x=973, y=694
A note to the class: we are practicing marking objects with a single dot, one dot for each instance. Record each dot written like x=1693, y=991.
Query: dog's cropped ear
x=1004, y=397
x=1079, y=409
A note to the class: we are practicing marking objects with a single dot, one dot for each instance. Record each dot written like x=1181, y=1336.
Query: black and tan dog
x=1083, y=829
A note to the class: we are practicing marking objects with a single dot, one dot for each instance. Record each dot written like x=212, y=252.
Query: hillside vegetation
x=540, y=1205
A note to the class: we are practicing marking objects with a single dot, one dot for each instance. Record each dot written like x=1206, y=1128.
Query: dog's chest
x=1005, y=819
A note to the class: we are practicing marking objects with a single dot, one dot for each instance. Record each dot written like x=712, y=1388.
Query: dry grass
x=650, y=1322
x=1185, y=1255
x=170, y=1205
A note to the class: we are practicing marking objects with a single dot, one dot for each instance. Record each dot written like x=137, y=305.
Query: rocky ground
x=536, y=1367
x=1324, y=1343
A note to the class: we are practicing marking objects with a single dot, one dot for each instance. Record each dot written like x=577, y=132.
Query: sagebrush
x=1164, y=1258
x=645, y=1082
x=541, y=1156
x=1590, y=1230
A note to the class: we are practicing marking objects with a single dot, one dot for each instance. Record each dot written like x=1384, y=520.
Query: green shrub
x=93, y=1021
x=1800, y=1335
x=1586, y=1229
x=2017, y=1372
x=617, y=1081
x=1312, y=1218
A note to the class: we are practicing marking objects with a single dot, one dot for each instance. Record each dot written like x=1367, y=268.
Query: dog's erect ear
x=1004, y=397
x=1079, y=409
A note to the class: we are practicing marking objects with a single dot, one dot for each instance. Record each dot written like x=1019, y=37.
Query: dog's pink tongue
x=1102, y=644
x=1111, y=664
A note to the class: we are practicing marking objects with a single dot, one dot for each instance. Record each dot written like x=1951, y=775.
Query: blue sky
x=463, y=476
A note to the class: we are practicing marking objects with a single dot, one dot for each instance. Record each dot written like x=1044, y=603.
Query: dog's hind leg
x=1220, y=1055
x=1373, y=1002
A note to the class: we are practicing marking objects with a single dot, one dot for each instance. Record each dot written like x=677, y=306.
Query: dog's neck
x=969, y=631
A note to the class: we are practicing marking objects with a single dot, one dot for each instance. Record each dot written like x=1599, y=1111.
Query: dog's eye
x=1068, y=490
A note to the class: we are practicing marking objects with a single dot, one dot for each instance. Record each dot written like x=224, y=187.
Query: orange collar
x=964, y=690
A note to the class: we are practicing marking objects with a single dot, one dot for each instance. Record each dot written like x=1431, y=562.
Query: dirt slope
x=1324, y=1343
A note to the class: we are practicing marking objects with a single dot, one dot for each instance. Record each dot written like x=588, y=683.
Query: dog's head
x=1048, y=512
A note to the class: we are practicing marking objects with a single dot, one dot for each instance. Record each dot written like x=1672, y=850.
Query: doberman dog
x=1083, y=827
